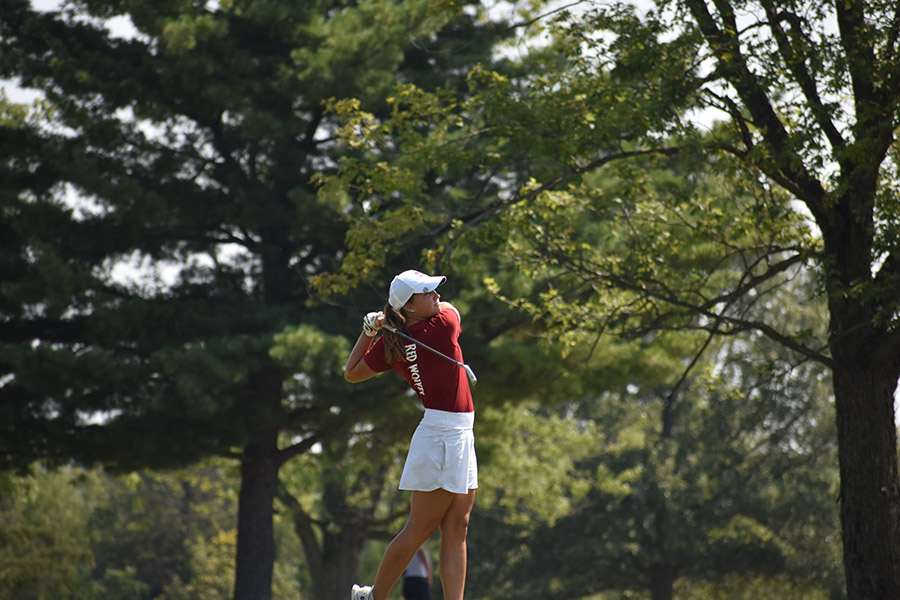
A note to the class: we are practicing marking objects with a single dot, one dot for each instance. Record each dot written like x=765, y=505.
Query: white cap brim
x=412, y=282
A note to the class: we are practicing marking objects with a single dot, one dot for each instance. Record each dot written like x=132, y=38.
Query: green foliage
x=213, y=564
x=672, y=486
x=340, y=493
x=156, y=252
x=529, y=460
x=151, y=522
x=618, y=255
x=85, y=534
x=569, y=182
x=161, y=224
x=44, y=550
x=698, y=484
x=318, y=356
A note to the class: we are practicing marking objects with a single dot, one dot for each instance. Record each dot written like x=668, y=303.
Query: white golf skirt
x=442, y=454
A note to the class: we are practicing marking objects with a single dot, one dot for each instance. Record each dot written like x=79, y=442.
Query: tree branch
x=475, y=217
x=286, y=454
x=657, y=291
x=797, y=66
x=303, y=527
x=782, y=165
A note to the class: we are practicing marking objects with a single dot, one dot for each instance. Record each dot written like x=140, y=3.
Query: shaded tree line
x=568, y=184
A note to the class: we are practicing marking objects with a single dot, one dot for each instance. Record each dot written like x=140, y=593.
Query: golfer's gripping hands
x=372, y=323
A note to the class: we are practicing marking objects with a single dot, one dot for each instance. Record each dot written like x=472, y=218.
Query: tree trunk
x=870, y=497
x=255, y=541
x=341, y=552
x=333, y=552
x=662, y=582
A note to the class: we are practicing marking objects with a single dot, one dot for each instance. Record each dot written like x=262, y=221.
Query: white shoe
x=361, y=592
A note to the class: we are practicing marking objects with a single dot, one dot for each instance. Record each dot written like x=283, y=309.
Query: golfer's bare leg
x=454, y=527
x=427, y=511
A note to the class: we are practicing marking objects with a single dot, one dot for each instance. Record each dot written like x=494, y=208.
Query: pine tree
x=160, y=226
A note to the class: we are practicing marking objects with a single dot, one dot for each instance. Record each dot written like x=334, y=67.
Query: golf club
x=469, y=372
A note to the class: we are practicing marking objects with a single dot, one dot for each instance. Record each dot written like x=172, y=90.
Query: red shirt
x=439, y=383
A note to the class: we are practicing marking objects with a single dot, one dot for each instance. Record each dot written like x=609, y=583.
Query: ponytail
x=393, y=343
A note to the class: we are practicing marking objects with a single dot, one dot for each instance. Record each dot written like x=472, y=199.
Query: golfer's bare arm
x=356, y=369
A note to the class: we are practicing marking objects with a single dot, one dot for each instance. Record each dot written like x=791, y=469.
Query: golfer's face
x=425, y=305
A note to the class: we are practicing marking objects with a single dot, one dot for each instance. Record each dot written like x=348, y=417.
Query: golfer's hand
x=372, y=323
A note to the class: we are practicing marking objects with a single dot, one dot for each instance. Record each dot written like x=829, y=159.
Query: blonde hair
x=393, y=343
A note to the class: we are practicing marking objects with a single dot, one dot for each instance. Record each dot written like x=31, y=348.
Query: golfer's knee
x=455, y=526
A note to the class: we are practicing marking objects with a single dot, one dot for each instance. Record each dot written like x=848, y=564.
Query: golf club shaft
x=469, y=372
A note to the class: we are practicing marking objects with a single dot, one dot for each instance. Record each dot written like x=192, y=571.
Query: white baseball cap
x=412, y=282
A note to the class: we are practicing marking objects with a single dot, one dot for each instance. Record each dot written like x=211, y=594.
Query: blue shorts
x=416, y=588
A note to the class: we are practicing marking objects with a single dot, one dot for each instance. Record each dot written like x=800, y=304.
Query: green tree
x=185, y=151
x=716, y=493
x=729, y=473
x=44, y=546
x=150, y=523
x=342, y=494
x=53, y=540
x=77, y=533
x=811, y=115
x=347, y=501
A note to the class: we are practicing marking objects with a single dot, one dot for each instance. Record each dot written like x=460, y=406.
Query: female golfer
x=440, y=469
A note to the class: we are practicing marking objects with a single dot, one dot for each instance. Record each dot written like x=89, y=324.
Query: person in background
x=418, y=577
